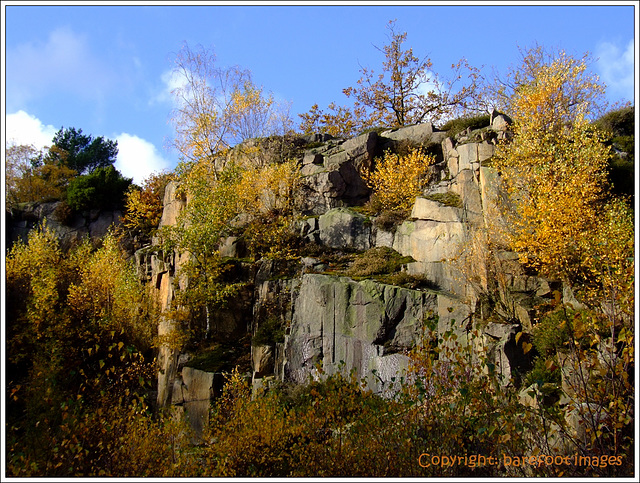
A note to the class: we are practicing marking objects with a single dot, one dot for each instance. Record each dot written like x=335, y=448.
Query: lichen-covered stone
x=341, y=323
x=345, y=228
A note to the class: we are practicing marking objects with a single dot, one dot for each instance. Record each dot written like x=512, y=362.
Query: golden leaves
x=31, y=175
x=109, y=295
x=338, y=121
x=217, y=107
x=398, y=179
x=554, y=169
x=144, y=206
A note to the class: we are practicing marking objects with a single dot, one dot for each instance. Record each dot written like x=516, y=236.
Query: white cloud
x=617, y=68
x=429, y=84
x=171, y=80
x=138, y=158
x=23, y=128
x=64, y=61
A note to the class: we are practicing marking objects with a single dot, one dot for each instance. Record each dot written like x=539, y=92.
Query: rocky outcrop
x=173, y=203
x=69, y=227
x=344, y=228
x=330, y=322
x=418, y=135
x=192, y=392
x=365, y=326
x=332, y=168
x=434, y=236
x=332, y=174
x=163, y=275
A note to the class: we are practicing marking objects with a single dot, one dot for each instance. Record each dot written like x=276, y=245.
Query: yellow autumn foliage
x=108, y=294
x=217, y=108
x=398, y=179
x=555, y=184
x=554, y=171
x=31, y=177
x=76, y=324
x=560, y=216
x=144, y=206
x=262, y=189
x=33, y=278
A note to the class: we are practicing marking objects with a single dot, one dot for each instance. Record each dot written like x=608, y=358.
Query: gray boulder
x=418, y=134
x=331, y=174
x=344, y=228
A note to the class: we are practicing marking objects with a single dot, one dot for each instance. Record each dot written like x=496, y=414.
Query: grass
x=376, y=129
x=377, y=261
x=406, y=280
x=385, y=265
x=313, y=145
x=448, y=199
x=456, y=126
x=336, y=260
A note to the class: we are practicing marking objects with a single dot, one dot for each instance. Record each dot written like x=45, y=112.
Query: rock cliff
x=333, y=322
x=296, y=319
x=69, y=227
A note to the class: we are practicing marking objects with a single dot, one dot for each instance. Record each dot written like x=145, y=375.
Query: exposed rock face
x=344, y=228
x=262, y=360
x=339, y=324
x=331, y=174
x=431, y=242
x=192, y=393
x=273, y=300
x=94, y=223
x=173, y=203
x=500, y=124
x=162, y=277
x=417, y=135
x=366, y=326
x=336, y=323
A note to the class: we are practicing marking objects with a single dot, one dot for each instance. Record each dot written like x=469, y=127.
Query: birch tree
x=218, y=107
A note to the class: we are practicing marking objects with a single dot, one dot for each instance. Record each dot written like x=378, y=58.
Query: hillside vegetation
x=88, y=329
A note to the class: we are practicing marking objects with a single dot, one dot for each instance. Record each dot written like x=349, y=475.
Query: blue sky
x=103, y=68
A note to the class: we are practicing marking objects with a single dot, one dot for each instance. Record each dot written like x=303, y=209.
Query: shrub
x=406, y=280
x=377, y=261
x=544, y=371
x=271, y=235
x=622, y=175
x=220, y=358
x=456, y=126
x=619, y=122
x=389, y=220
x=79, y=325
x=103, y=188
x=144, y=204
x=620, y=125
x=269, y=332
x=398, y=179
x=553, y=331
